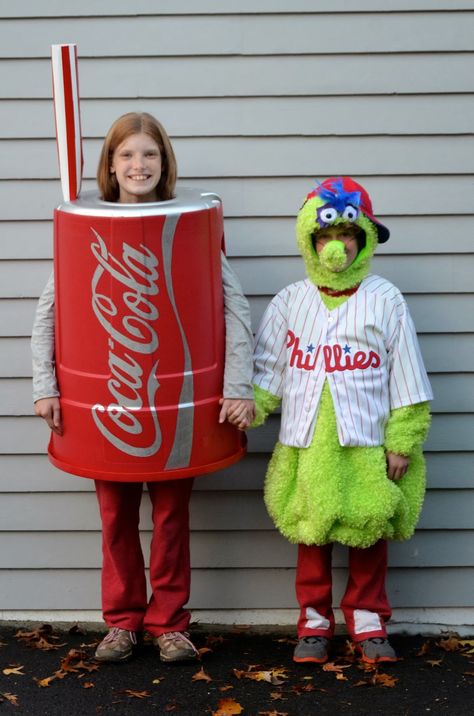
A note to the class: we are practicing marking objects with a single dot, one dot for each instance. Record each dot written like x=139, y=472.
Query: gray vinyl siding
x=260, y=99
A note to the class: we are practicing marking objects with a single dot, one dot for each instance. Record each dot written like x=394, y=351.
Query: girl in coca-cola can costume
x=138, y=165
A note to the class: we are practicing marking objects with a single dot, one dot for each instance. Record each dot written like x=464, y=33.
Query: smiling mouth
x=139, y=177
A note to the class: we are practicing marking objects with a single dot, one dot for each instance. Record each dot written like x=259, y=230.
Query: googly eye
x=350, y=213
x=326, y=215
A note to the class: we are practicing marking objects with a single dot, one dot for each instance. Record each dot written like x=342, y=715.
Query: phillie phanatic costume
x=339, y=351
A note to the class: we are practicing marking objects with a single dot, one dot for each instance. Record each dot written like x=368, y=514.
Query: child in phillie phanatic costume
x=339, y=351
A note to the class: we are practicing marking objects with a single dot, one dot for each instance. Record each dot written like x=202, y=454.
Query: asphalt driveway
x=242, y=671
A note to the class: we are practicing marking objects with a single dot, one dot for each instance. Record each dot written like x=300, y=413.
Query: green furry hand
x=407, y=428
x=265, y=403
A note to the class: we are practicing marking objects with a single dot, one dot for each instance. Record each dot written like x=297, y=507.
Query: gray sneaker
x=375, y=650
x=117, y=645
x=311, y=648
x=176, y=646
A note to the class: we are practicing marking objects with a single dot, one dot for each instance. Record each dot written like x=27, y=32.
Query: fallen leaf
x=43, y=683
x=76, y=655
x=425, y=647
x=87, y=666
x=434, y=662
x=340, y=677
x=40, y=638
x=12, y=698
x=469, y=673
x=225, y=688
x=16, y=670
x=74, y=661
x=201, y=676
x=378, y=680
x=172, y=706
x=156, y=681
x=90, y=645
x=331, y=666
x=278, y=696
x=46, y=645
x=273, y=676
x=34, y=633
x=309, y=687
x=76, y=629
x=465, y=644
x=384, y=680
x=87, y=685
x=273, y=713
x=362, y=666
x=227, y=707
x=451, y=643
x=135, y=694
x=204, y=650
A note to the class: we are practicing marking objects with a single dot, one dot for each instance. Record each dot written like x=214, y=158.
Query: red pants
x=124, y=591
x=364, y=604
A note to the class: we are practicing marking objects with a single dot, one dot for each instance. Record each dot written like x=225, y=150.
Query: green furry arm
x=265, y=403
x=407, y=428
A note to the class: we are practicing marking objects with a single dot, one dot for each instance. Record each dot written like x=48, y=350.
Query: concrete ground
x=243, y=670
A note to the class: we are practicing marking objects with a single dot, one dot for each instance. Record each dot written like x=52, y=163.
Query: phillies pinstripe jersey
x=366, y=349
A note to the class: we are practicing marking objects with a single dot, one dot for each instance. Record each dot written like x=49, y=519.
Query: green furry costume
x=326, y=492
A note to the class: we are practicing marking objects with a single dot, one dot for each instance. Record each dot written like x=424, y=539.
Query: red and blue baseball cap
x=345, y=196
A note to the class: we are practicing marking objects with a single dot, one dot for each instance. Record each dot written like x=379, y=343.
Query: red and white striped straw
x=68, y=119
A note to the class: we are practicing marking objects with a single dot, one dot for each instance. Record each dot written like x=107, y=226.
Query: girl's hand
x=50, y=410
x=237, y=411
x=397, y=465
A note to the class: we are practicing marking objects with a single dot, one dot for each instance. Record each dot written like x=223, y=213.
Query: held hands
x=237, y=411
x=397, y=465
x=49, y=409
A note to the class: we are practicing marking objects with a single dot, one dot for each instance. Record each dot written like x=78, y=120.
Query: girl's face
x=137, y=165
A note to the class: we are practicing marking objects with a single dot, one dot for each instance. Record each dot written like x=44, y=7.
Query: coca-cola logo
x=129, y=321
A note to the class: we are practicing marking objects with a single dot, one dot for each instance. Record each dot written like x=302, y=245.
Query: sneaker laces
x=115, y=632
x=314, y=639
x=180, y=636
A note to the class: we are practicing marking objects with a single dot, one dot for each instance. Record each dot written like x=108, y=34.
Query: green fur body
x=328, y=493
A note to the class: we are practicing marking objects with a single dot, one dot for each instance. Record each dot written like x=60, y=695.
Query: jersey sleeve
x=270, y=348
x=408, y=381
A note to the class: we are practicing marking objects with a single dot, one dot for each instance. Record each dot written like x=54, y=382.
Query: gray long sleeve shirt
x=238, y=341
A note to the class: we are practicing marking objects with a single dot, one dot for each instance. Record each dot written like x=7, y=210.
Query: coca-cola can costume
x=140, y=339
